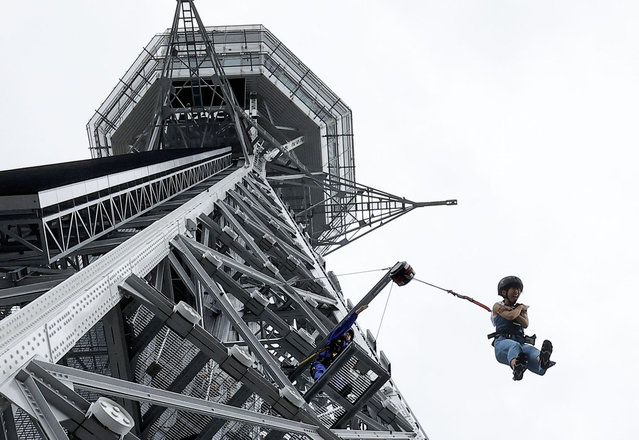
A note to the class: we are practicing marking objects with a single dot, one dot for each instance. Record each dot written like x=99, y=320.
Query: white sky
x=524, y=111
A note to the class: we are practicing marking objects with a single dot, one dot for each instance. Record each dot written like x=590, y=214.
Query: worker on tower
x=510, y=319
x=336, y=342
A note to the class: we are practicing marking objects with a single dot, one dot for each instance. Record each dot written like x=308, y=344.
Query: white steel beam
x=57, y=195
x=348, y=434
x=143, y=393
x=51, y=325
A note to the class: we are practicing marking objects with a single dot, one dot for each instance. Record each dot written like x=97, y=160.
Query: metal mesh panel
x=295, y=437
x=237, y=430
x=327, y=410
x=176, y=425
x=163, y=360
x=213, y=384
x=25, y=427
x=139, y=320
x=243, y=431
x=90, y=354
x=359, y=383
x=240, y=431
x=349, y=383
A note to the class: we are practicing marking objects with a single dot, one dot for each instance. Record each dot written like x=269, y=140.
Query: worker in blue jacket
x=336, y=342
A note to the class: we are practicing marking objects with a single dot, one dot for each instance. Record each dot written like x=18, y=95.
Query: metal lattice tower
x=170, y=287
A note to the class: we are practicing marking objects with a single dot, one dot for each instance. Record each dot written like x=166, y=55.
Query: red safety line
x=467, y=298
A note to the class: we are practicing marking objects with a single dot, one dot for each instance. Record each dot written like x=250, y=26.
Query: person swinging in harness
x=510, y=318
x=336, y=342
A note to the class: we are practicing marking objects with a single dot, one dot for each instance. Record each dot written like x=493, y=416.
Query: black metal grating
x=162, y=361
x=25, y=426
x=176, y=425
x=240, y=431
x=89, y=354
x=359, y=383
x=139, y=320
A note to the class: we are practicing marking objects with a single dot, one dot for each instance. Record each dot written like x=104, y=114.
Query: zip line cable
x=361, y=272
x=384, y=312
x=467, y=298
x=326, y=277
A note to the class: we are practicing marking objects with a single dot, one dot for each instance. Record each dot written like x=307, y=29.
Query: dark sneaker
x=544, y=355
x=520, y=366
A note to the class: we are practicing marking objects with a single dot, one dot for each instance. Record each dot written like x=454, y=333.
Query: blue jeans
x=506, y=350
x=317, y=370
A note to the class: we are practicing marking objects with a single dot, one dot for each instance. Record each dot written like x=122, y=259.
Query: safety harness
x=521, y=338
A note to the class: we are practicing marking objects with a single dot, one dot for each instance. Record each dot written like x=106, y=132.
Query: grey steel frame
x=49, y=326
x=352, y=210
x=67, y=231
x=226, y=282
x=93, y=214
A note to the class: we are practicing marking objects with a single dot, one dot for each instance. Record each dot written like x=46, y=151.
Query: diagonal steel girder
x=53, y=323
x=143, y=393
x=240, y=326
x=277, y=250
x=260, y=212
x=286, y=401
x=46, y=393
x=254, y=222
x=78, y=304
x=257, y=256
x=275, y=283
x=257, y=306
x=262, y=242
x=203, y=253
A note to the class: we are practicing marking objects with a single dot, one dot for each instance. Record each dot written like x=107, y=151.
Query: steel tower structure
x=173, y=286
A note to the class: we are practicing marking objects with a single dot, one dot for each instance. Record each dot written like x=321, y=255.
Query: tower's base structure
x=173, y=286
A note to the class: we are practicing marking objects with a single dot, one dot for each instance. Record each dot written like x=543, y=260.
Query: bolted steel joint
x=111, y=415
x=214, y=260
x=230, y=232
x=187, y=312
x=292, y=396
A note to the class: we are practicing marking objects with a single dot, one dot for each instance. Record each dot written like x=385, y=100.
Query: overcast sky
x=526, y=112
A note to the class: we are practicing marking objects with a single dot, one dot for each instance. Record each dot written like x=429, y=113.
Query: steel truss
x=99, y=206
x=192, y=325
x=191, y=295
x=66, y=231
x=351, y=209
x=198, y=110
